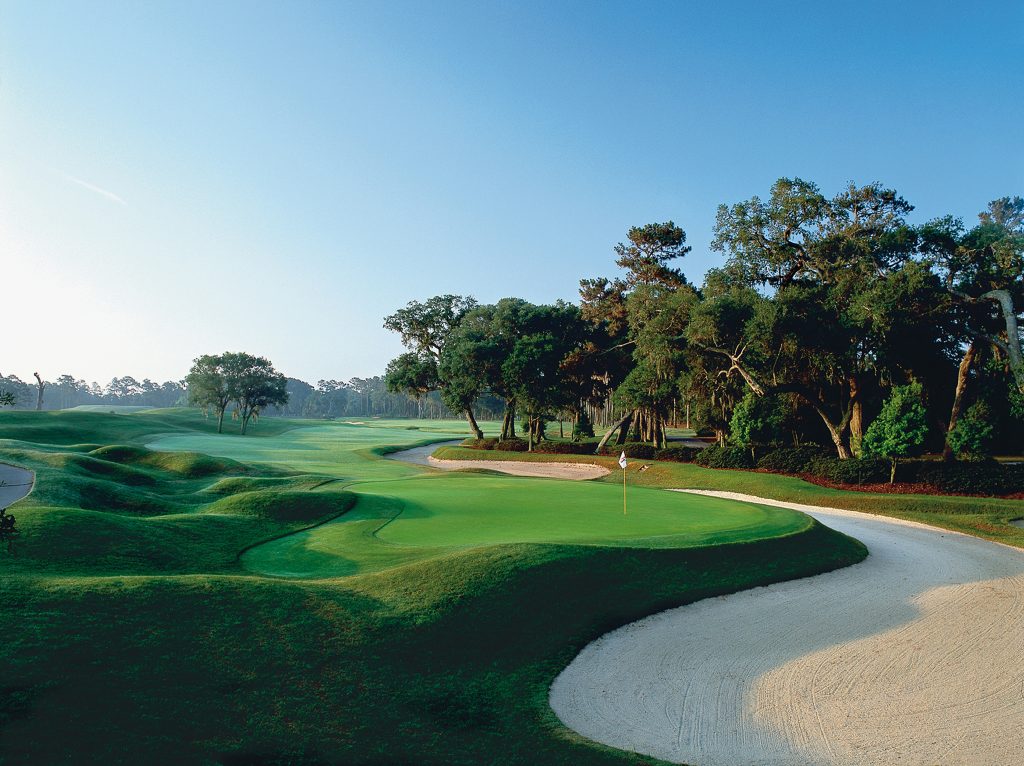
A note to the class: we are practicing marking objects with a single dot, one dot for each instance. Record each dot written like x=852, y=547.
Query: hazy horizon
x=182, y=179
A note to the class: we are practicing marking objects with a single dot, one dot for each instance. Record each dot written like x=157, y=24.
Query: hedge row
x=966, y=478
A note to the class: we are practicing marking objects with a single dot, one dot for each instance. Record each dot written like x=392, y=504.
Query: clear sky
x=182, y=178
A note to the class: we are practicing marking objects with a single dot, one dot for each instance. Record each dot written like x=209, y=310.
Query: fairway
x=412, y=514
x=295, y=574
x=396, y=522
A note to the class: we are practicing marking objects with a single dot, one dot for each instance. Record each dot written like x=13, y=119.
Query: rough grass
x=134, y=634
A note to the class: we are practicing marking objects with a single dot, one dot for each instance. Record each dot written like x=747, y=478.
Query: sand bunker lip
x=912, y=657
x=15, y=483
x=571, y=471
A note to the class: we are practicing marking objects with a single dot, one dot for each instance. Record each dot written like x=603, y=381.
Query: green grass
x=986, y=517
x=434, y=611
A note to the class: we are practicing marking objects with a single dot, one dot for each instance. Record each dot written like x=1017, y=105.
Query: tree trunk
x=622, y=423
x=472, y=424
x=892, y=473
x=1012, y=345
x=958, y=400
x=39, y=392
x=220, y=420
x=836, y=432
x=856, y=416
x=508, y=423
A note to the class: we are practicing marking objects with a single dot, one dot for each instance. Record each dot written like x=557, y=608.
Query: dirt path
x=15, y=483
x=573, y=471
x=913, y=657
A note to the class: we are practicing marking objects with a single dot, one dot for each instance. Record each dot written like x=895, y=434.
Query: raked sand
x=574, y=471
x=914, y=657
x=15, y=483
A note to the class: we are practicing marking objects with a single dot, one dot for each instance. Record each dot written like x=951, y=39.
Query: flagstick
x=623, y=491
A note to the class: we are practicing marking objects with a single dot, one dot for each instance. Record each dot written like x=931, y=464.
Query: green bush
x=677, y=454
x=972, y=435
x=512, y=445
x=985, y=477
x=583, y=429
x=790, y=459
x=724, y=457
x=637, y=450
x=565, y=448
x=480, y=443
x=867, y=470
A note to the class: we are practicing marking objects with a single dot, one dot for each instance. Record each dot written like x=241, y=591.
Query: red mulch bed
x=899, y=488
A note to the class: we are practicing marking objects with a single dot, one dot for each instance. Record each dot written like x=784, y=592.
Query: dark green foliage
x=565, y=448
x=985, y=477
x=973, y=432
x=851, y=471
x=583, y=429
x=512, y=445
x=480, y=443
x=756, y=420
x=901, y=427
x=678, y=454
x=636, y=450
x=790, y=459
x=724, y=457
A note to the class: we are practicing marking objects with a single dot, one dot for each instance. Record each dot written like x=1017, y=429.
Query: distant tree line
x=68, y=391
x=825, y=315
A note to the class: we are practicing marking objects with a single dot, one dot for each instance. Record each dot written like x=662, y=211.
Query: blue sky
x=184, y=178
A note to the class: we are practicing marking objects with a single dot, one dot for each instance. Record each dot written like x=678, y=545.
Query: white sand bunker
x=574, y=471
x=15, y=483
x=915, y=656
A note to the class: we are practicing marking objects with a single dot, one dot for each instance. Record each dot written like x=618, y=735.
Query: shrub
x=480, y=443
x=867, y=470
x=900, y=428
x=565, y=448
x=724, y=457
x=583, y=429
x=972, y=434
x=974, y=478
x=756, y=420
x=512, y=445
x=790, y=459
x=637, y=450
x=677, y=454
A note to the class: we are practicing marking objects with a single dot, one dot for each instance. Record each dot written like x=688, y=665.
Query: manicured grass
x=135, y=631
x=986, y=517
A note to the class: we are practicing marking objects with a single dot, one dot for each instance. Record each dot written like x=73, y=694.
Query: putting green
x=406, y=513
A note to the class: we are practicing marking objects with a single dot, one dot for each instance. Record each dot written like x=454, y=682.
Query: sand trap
x=572, y=471
x=915, y=656
x=15, y=483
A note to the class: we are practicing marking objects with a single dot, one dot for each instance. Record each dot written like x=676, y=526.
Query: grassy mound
x=188, y=464
x=443, y=662
x=462, y=595
x=279, y=505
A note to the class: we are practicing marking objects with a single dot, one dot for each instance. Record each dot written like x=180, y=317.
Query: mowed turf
x=397, y=522
x=135, y=629
x=339, y=449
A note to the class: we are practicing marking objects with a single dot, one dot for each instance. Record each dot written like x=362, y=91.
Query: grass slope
x=135, y=633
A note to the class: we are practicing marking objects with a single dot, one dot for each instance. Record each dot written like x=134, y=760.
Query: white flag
x=622, y=461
